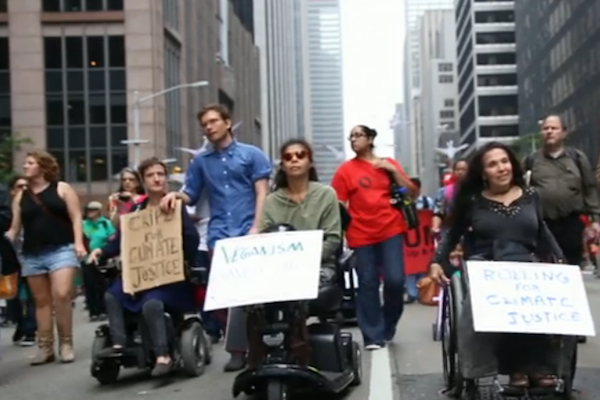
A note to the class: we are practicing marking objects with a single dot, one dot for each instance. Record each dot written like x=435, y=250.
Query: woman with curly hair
x=49, y=213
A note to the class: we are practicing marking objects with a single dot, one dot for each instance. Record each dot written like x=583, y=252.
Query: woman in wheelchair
x=152, y=303
x=500, y=219
x=302, y=202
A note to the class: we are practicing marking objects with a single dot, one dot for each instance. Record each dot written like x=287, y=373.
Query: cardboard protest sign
x=151, y=249
x=529, y=298
x=265, y=268
x=418, y=246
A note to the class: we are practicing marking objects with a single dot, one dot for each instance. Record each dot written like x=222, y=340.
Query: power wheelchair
x=188, y=345
x=455, y=386
x=336, y=359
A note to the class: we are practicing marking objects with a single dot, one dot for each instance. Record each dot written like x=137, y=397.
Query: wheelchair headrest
x=278, y=228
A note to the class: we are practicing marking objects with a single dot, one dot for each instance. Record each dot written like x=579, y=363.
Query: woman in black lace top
x=500, y=219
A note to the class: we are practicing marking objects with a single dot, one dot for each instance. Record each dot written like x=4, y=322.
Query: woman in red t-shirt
x=375, y=234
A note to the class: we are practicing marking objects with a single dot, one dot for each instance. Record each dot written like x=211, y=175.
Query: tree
x=527, y=144
x=9, y=144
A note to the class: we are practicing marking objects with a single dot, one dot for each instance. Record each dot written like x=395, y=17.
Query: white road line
x=380, y=383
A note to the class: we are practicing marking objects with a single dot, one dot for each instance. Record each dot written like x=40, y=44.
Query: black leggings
x=153, y=312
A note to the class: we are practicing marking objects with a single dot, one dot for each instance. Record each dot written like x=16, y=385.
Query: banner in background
x=418, y=245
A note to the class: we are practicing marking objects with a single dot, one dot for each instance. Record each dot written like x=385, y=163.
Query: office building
x=414, y=9
x=558, y=61
x=75, y=65
x=438, y=92
x=402, y=150
x=278, y=71
x=323, y=86
x=487, y=72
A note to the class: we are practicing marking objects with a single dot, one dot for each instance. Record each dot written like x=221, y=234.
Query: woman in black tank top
x=50, y=215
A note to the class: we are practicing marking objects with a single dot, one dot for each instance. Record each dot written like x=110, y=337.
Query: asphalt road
x=409, y=369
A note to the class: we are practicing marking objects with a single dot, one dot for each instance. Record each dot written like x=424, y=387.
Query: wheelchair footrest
x=511, y=391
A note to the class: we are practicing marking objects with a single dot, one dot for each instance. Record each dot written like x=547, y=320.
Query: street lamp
x=137, y=141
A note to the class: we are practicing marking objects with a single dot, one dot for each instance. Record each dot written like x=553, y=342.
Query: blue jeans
x=211, y=324
x=377, y=323
x=411, y=284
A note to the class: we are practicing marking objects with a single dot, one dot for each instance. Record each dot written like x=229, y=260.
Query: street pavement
x=409, y=369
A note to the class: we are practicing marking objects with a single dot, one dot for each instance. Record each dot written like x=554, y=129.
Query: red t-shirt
x=367, y=191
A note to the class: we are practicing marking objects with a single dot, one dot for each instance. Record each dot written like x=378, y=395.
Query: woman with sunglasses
x=130, y=193
x=301, y=201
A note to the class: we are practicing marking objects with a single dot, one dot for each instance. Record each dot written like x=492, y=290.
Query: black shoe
x=18, y=336
x=161, y=369
x=237, y=362
x=410, y=300
x=28, y=341
x=581, y=339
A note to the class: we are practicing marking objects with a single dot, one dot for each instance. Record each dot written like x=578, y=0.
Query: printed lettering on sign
x=418, y=245
x=266, y=268
x=529, y=298
x=151, y=249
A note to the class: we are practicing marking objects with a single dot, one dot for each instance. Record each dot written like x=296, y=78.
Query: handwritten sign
x=265, y=268
x=529, y=298
x=418, y=245
x=151, y=249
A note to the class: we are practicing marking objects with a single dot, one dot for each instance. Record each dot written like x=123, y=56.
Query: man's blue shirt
x=228, y=177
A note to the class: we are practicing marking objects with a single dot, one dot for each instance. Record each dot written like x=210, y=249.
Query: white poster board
x=529, y=298
x=265, y=268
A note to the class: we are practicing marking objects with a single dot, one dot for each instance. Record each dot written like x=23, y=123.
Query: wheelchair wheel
x=277, y=390
x=355, y=358
x=194, y=350
x=106, y=372
x=448, y=340
x=454, y=295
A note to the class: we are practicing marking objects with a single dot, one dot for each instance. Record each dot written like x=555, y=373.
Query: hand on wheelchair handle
x=436, y=273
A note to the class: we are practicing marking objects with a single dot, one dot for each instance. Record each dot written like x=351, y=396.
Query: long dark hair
x=139, y=189
x=473, y=184
x=281, y=180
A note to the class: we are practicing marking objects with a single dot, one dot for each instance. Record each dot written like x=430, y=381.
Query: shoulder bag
x=401, y=202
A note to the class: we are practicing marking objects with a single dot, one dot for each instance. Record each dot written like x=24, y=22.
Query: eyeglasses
x=300, y=155
x=356, y=135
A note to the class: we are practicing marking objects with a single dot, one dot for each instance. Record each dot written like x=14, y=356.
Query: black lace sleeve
x=547, y=247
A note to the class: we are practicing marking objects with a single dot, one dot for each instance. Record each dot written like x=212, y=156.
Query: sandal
x=519, y=380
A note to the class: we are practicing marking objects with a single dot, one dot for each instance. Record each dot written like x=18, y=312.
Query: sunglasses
x=300, y=155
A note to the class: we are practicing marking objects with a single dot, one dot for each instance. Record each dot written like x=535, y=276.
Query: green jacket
x=320, y=209
x=98, y=232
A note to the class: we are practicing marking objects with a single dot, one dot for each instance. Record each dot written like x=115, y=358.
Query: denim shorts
x=49, y=261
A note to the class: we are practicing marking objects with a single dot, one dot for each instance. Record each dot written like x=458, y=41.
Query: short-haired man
x=236, y=178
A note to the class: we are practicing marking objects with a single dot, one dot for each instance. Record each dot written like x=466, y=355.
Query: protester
x=235, y=176
x=564, y=178
x=129, y=193
x=445, y=195
x=97, y=229
x=301, y=201
x=503, y=221
x=50, y=214
x=375, y=234
x=151, y=303
x=22, y=308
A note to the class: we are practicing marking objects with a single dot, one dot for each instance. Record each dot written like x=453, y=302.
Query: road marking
x=380, y=382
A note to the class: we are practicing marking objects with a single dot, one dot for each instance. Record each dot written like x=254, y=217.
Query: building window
x=446, y=79
x=446, y=114
x=445, y=67
x=173, y=99
x=171, y=13
x=86, y=106
x=449, y=103
x=81, y=5
x=5, y=109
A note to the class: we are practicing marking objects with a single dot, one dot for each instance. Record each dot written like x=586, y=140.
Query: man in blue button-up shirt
x=235, y=176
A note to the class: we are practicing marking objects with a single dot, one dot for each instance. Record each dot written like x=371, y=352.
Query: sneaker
x=18, y=336
x=237, y=362
x=373, y=346
x=28, y=341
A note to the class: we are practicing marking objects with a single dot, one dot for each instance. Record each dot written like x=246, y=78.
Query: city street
x=409, y=370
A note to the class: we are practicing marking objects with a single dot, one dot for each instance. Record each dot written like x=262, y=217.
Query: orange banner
x=418, y=245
